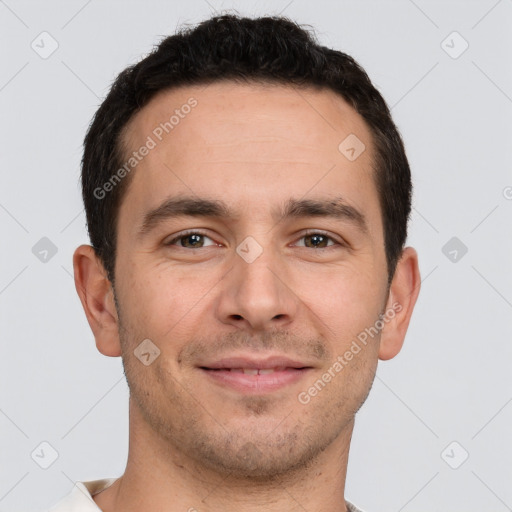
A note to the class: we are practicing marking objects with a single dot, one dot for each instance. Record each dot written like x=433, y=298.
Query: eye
x=318, y=240
x=191, y=240
x=196, y=240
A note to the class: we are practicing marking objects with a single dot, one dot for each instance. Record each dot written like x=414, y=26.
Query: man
x=247, y=197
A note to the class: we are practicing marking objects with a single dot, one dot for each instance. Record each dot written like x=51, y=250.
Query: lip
x=288, y=372
x=254, y=362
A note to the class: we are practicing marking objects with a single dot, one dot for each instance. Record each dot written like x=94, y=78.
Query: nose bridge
x=255, y=293
x=258, y=280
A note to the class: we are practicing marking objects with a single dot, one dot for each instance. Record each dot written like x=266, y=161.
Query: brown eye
x=318, y=240
x=191, y=240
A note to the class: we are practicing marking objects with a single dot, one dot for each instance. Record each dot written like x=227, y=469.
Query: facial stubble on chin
x=190, y=429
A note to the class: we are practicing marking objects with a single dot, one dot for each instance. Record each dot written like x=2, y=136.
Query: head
x=272, y=50
x=247, y=194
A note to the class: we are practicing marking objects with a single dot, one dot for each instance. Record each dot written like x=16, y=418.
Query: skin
x=195, y=444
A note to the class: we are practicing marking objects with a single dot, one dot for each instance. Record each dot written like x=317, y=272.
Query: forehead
x=252, y=143
x=223, y=112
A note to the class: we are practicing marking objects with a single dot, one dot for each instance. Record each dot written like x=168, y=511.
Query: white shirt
x=80, y=497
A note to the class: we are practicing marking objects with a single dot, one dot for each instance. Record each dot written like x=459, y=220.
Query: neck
x=166, y=480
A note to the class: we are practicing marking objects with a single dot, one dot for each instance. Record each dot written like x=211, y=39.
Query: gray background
x=452, y=380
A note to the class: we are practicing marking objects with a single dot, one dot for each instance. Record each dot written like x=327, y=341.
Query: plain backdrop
x=435, y=433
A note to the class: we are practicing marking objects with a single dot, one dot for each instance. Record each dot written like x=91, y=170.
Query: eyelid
x=337, y=241
x=183, y=234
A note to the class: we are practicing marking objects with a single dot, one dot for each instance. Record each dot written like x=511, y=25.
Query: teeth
x=256, y=371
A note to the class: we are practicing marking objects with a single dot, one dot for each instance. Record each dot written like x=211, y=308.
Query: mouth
x=253, y=371
x=255, y=376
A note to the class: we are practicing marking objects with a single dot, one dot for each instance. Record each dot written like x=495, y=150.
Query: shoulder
x=80, y=499
x=352, y=508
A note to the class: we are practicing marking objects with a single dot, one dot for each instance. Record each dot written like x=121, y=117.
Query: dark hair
x=269, y=49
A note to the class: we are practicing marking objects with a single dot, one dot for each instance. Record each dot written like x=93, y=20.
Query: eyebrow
x=336, y=208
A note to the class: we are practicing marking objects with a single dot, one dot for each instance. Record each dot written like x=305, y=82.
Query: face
x=272, y=260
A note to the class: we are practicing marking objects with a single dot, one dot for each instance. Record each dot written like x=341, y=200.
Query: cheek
x=347, y=298
x=164, y=303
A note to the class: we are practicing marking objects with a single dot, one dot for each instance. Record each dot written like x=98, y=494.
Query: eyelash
x=307, y=233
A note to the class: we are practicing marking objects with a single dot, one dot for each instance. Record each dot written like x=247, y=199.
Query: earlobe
x=96, y=295
x=403, y=294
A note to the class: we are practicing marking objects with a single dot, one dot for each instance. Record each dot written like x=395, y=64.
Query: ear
x=403, y=293
x=97, y=297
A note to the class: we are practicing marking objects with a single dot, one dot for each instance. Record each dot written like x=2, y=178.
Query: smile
x=255, y=380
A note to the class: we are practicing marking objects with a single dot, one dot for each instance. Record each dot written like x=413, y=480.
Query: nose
x=257, y=296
